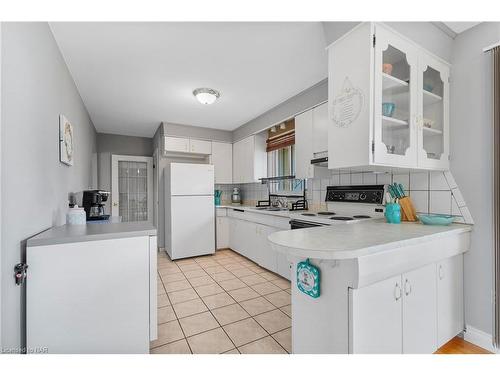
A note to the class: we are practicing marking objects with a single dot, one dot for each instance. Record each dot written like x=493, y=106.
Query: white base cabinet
x=450, y=294
x=397, y=315
x=222, y=232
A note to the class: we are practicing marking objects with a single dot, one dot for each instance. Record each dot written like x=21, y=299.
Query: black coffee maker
x=92, y=203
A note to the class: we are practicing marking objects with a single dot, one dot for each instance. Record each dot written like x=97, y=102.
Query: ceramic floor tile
x=170, y=278
x=162, y=300
x=166, y=314
x=232, y=351
x=182, y=295
x=194, y=274
x=223, y=276
x=274, y=321
x=232, y=284
x=188, y=308
x=266, y=345
x=257, y=306
x=225, y=261
x=210, y=342
x=252, y=279
x=160, y=290
x=208, y=290
x=244, y=331
x=167, y=270
x=243, y=294
x=234, y=266
x=190, y=267
x=177, y=347
x=287, y=310
x=282, y=283
x=198, y=323
x=230, y=314
x=218, y=300
x=186, y=261
x=269, y=276
x=202, y=280
x=284, y=338
x=177, y=285
x=242, y=272
x=256, y=269
x=265, y=288
x=167, y=333
x=215, y=269
x=279, y=299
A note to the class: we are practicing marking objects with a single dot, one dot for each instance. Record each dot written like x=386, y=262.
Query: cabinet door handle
x=407, y=287
x=397, y=292
x=440, y=272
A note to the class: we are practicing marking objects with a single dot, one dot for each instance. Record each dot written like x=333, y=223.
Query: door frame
x=114, y=182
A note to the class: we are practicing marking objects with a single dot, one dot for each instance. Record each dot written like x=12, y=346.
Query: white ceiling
x=132, y=76
x=459, y=27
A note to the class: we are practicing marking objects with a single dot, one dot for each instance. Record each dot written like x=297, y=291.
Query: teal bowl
x=436, y=219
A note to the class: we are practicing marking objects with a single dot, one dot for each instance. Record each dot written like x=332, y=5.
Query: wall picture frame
x=66, y=139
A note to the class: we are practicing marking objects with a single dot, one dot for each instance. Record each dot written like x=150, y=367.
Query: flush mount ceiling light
x=206, y=95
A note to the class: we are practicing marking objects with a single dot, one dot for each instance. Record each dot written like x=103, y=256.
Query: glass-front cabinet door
x=433, y=121
x=395, y=100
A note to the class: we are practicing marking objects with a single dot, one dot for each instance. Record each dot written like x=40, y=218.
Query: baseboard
x=479, y=338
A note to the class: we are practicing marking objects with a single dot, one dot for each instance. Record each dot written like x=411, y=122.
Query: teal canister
x=393, y=213
x=217, y=196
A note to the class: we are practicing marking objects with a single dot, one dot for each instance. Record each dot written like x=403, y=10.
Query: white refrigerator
x=189, y=210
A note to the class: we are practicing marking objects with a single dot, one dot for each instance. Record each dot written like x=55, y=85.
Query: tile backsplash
x=431, y=192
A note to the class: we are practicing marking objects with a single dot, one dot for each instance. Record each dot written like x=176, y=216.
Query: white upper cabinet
x=197, y=146
x=174, y=144
x=389, y=102
x=311, y=141
x=222, y=159
x=250, y=159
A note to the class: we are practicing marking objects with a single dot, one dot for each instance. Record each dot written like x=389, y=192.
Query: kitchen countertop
x=357, y=240
x=284, y=213
x=91, y=232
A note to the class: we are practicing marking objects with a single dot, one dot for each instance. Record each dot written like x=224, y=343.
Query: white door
x=193, y=226
x=433, y=118
x=375, y=318
x=132, y=187
x=395, y=100
x=419, y=311
x=191, y=179
x=450, y=308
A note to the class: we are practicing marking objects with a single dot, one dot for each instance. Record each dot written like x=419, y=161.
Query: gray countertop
x=91, y=232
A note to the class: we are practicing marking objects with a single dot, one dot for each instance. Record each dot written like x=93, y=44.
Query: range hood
x=320, y=162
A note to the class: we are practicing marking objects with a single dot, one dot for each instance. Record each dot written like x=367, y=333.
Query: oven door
x=299, y=224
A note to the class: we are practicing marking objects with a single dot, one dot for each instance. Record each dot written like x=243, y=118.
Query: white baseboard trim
x=479, y=338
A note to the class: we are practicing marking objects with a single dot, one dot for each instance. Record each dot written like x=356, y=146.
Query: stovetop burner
x=326, y=213
x=361, y=216
x=307, y=214
x=342, y=218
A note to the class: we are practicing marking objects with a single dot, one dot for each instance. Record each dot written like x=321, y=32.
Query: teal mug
x=393, y=213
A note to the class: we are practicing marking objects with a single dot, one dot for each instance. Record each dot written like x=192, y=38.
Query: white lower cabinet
x=450, y=292
x=222, y=232
x=267, y=257
x=283, y=266
x=397, y=315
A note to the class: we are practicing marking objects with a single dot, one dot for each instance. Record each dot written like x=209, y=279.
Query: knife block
x=408, y=212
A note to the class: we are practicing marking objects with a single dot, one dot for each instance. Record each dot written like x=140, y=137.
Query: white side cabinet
x=197, y=146
x=397, y=315
x=186, y=146
x=408, y=124
x=250, y=159
x=222, y=228
x=450, y=292
x=222, y=159
x=174, y=144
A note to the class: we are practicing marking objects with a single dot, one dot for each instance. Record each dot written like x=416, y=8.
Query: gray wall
x=424, y=33
x=36, y=88
x=109, y=144
x=471, y=161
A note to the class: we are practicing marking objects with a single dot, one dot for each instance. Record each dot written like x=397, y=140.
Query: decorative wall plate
x=65, y=141
x=347, y=105
x=308, y=279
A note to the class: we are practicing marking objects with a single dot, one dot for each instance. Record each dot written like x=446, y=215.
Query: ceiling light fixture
x=206, y=95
